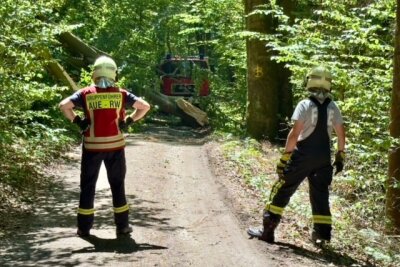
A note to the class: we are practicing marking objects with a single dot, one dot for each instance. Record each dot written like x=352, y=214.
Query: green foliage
x=31, y=124
x=354, y=38
x=138, y=40
x=225, y=106
x=247, y=157
x=29, y=118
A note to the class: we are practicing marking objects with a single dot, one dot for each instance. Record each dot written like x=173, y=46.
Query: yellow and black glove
x=339, y=161
x=282, y=163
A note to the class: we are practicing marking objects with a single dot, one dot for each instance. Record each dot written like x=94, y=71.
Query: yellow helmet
x=319, y=77
x=105, y=67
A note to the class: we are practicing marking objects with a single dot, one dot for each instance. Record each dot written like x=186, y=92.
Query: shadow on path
x=121, y=244
x=171, y=135
x=47, y=236
x=325, y=254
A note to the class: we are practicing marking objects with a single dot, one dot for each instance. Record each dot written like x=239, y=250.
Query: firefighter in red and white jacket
x=102, y=128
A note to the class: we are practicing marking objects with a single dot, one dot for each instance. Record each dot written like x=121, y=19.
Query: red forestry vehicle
x=184, y=76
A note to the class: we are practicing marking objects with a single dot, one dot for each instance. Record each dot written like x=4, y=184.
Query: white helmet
x=105, y=67
x=319, y=77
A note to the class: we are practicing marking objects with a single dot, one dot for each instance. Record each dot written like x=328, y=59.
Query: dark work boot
x=268, y=231
x=83, y=233
x=122, y=223
x=85, y=223
x=125, y=230
x=321, y=234
x=269, y=224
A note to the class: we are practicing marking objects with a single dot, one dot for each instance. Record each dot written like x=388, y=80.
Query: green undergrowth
x=25, y=172
x=357, y=205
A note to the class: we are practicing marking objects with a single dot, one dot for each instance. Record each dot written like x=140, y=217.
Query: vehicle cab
x=184, y=76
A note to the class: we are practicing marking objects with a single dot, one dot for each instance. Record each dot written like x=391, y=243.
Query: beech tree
x=393, y=182
x=268, y=97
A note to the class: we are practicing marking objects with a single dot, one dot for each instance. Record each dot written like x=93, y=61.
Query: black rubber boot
x=125, y=230
x=85, y=223
x=83, y=233
x=269, y=224
x=321, y=234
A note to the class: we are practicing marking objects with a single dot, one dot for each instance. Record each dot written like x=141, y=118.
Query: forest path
x=181, y=213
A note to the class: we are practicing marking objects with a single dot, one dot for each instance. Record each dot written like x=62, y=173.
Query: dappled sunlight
x=49, y=237
x=177, y=135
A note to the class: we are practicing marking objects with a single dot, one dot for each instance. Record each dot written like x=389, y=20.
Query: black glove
x=282, y=163
x=124, y=125
x=83, y=124
x=339, y=161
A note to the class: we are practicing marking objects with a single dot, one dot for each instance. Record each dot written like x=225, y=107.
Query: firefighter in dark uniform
x=102, y=128
x=308, y=154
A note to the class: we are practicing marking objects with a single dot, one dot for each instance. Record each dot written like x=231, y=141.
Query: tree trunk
x=189, y=114
x=77, y=48
x=269, y=94
x=393, y=182
x=57, y=71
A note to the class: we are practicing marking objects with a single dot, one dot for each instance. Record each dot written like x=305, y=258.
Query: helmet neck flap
x=104, y=72
x=319, y=81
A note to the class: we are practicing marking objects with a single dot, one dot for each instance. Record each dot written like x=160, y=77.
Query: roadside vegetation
x=357, y=240
x=354, y=38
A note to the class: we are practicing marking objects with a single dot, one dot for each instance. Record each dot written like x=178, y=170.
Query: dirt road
x=182, y=215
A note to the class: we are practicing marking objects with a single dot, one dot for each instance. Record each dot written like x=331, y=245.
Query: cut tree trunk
x=178, y=106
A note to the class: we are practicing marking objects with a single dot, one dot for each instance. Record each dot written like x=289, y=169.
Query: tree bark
x=76, y=47
x=190, y=115
x=269, y=94
x=393, y=182
x=57, y=71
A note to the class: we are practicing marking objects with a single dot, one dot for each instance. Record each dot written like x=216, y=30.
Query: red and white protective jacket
x=104, y=108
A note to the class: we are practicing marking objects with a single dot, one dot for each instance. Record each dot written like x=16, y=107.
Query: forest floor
x=187, y=209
